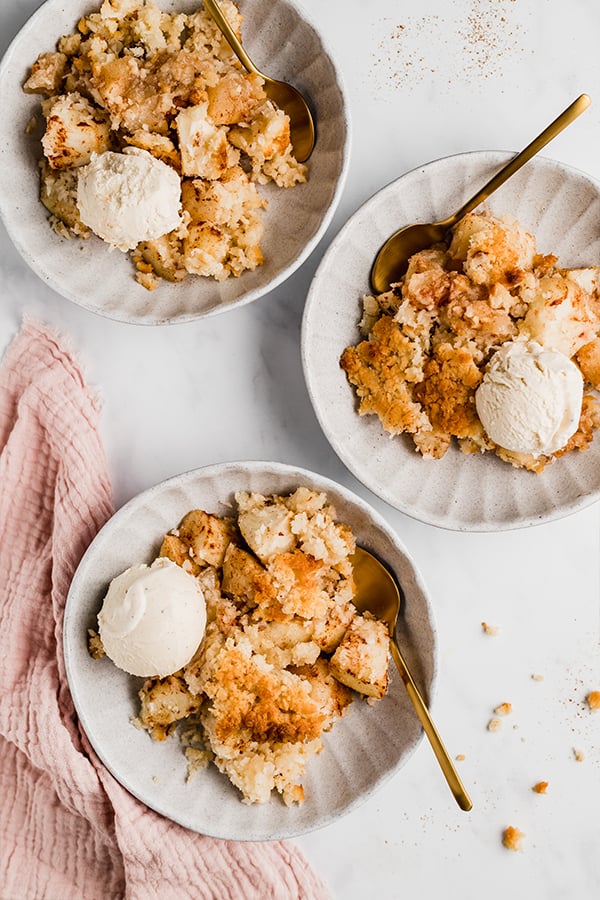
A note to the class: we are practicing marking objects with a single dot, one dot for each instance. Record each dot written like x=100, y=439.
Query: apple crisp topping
x=426, y=342
x=134, y=76
x=284, y=650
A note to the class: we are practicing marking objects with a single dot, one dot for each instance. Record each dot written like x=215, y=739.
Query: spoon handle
x=555, y=127
x=230, y=36
x=450, y=773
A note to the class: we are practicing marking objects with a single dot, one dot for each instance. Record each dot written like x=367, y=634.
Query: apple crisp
x=134, y=76
x=284, y=652
x=425, y=344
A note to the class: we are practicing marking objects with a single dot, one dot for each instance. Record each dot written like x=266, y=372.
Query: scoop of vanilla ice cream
x=128, y=197
x=152, y=619
x=530, y=398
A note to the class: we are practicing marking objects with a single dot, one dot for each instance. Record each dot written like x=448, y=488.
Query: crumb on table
x=512, y=837
x=578, y=754
x=541, y=787
x=460, y=757
x=494, y=725
x=504, y=709
x=536, y=677
x=490, y=629
x=593, y=700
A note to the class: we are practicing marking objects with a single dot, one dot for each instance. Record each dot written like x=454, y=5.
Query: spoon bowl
x=391, y=261
x=378, y=592
x=283, y=95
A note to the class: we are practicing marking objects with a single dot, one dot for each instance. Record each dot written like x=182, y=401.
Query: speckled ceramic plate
x=281, y=41
x=561, y=207
x=362, y=751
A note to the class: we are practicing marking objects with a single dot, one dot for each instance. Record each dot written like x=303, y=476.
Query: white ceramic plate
x=561, y=207
x=362, y=751
x=281, y=41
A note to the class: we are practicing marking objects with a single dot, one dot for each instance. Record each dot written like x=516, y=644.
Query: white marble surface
x=424, y=80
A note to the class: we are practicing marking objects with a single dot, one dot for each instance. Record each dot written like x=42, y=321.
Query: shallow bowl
x=363, y=750
x=283, y=42
x=561, y=207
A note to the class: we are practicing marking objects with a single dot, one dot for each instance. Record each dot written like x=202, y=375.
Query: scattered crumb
x=504, y=709
x=512, y=837
x=536, y=677
x=494, y=725
x=95, y=646
x=541, y=787
x=578, y=754
x=593, y=700
x=155, y=779
x=460, y=757
x=197, y=759
x=490, y=629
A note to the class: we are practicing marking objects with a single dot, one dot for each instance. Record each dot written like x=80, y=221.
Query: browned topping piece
x=541, y=787
x=512, y=838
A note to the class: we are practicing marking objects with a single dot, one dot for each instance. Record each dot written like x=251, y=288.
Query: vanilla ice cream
x=152, y=619
x=128, y=197
x=530, y=398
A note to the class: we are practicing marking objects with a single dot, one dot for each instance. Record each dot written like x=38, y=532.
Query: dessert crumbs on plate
x=494, y=724
x=490, y=629
x=578, y=754
x=541, y=787
x=593, y=700
x=504, y=709
x=285, y=652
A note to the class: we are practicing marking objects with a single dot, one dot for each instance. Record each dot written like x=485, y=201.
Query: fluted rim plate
x=282, y=41
x=362, y=751
x=561, y=207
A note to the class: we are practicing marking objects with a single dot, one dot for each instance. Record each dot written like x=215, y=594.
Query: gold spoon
x=378, y=593
x=392, y=259
x=283, y=95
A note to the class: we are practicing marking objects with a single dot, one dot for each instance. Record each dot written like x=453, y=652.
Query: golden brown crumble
x=504, y=709
x=427, y=341
x=284, y=651
x=95, y=647
x=132, y=75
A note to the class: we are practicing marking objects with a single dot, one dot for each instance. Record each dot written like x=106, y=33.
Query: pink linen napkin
x=67, y=828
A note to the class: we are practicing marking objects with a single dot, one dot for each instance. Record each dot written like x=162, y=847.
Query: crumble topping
x=132, y=75
x=427, y=341
x=285, y=651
